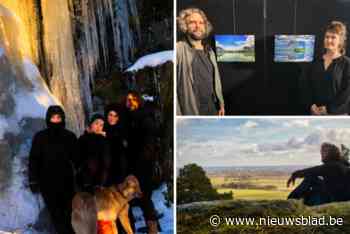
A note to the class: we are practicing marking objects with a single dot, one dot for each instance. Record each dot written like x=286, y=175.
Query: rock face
x=73, y=40
x=24, y=100
x=50, y=53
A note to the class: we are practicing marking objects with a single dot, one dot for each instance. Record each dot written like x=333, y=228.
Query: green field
x=241, y=56
x=256, y=194
x=279, y=192
x=195, y=218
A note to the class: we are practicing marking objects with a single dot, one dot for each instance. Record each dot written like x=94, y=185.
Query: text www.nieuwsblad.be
x=216, y=221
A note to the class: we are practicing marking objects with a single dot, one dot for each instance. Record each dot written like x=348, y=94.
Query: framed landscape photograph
x=294, y=48
x=235, y=48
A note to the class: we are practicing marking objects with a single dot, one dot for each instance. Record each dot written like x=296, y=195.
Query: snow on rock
x=33, y=103
x=3, y=126
x=2, y=52
x=152, y=60
x=24, y=99
x=167, y=221
x=19, y=208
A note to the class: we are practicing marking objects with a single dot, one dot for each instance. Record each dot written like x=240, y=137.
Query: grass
x=194, y=218
x=259, y=203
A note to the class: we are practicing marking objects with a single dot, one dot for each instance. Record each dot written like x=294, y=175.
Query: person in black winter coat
x=141, y=137
x=115, y=134
x=93, y=159
x=328, y=182
x=50, y=168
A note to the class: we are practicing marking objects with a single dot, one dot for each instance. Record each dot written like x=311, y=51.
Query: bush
x=193, y=185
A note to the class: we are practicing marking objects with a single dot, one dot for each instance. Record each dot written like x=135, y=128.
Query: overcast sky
x=256, y=142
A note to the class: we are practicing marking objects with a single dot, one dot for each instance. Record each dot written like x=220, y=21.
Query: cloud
x=236, y=142
x=299, y=123
x=182, y=123
x=232, y=46
x=295, y=143
x=250, y=124
x=312, y=141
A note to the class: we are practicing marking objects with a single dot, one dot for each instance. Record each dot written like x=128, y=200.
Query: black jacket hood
x=53, y=110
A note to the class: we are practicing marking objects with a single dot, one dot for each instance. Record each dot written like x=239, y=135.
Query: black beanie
x=95, y=117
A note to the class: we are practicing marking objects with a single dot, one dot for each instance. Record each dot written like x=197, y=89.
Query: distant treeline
x=247, y=186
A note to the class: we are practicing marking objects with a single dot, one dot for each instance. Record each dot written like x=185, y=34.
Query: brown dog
x=89, y=211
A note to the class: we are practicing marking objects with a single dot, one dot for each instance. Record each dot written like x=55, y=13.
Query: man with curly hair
x=325, y=183
x=199, y=90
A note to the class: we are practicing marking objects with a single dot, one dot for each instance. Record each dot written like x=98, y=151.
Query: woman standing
x=94, y=158
x=327, y=82
x=115, y=134
x=50, y=168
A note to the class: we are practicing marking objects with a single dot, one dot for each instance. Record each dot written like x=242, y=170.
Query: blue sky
x=229, y=40
x=257, y=142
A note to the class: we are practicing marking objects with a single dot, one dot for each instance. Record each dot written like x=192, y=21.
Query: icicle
x=61, y=61
x=125, y=37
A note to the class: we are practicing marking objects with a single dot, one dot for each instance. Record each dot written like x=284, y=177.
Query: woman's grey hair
x=181, y=20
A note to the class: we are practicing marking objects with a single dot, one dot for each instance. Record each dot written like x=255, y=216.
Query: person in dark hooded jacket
x=329, y=182
x=50, y=168
x=93, y=160
x=141, y=137
x=116, y=137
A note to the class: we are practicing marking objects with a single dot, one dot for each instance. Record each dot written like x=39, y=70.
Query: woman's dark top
x=93, y=160
x=203, y=76
x=329, y=87
x=116, y=138
x=336, y=175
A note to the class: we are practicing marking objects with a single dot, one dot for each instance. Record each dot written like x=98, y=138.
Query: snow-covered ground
x=152, y=60
x=167, y=221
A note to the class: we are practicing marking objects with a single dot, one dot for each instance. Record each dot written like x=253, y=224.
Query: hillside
x=194, y=217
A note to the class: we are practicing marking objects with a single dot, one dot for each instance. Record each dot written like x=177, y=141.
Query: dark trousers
x=147, y=206
x=60, y=210
x=312, y=190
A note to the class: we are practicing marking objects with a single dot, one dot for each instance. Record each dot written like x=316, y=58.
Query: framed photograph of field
x=235, y=48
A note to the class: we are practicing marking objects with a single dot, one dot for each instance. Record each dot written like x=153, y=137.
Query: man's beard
x=196, y=37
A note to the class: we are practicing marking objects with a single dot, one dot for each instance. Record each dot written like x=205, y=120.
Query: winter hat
x=55, y=110
x=95, y=117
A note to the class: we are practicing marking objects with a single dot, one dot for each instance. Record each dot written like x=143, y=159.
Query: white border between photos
x=264, y=117
x=174, y=117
